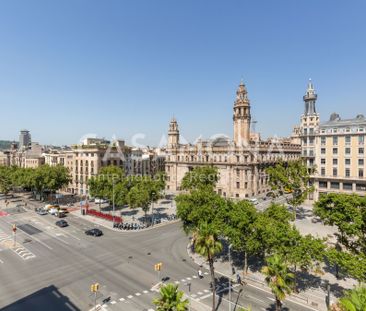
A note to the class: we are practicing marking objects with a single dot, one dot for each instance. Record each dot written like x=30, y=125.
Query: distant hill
x=5, y=144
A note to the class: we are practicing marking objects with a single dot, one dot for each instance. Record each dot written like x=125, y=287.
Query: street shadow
x=272, y=307
x=131, y=212
x=48, y=297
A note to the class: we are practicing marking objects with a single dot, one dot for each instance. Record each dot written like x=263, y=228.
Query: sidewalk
x=313, y=298
x=109, y=225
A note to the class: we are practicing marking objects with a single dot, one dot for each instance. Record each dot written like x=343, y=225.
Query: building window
x=322, y=140
x=347, y=161
x=348, y=139
x=360, y=161
x=311, y=140
x=237, y=195
x=347, y=151
x=322, y=161
x=335, y=150
x=361, y=187
x=360, y=172
x=361, y=151
x=335, y=140
x=323, y=184
x=305, y=131
x=322, y=172
x=322, y=151
x=334, y=185
x=237, y=185
x=237, y=173
x=335, y=161
x=347, y=186
x=361, y=139
x=347, y=172
x=311, y=130
x=335, y=171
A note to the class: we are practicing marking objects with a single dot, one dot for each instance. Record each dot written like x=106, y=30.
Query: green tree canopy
x=278, y=278
x=171, y=299
x=291, y=177
x=354, y=300
x=201, y=177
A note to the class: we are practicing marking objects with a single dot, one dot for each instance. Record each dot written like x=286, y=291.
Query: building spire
x=310, y=99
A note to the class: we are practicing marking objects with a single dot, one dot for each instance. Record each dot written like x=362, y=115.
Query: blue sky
x=73, y=67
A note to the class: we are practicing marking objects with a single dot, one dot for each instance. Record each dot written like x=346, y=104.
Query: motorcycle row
x=139, y=226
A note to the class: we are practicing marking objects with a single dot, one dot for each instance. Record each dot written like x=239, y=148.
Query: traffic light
x=94, y=287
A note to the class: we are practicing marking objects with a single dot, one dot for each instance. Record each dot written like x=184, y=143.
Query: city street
x=56, y=266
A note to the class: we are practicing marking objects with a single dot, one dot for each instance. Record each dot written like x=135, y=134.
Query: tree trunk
x=245, y=270
x=213, y=281
x=278, y=304
x=145, y=217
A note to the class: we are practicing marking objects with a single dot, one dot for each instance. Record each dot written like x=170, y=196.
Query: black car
x=94, y=232
x=62, y=223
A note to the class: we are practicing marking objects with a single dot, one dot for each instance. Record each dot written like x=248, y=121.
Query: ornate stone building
x=241, y=162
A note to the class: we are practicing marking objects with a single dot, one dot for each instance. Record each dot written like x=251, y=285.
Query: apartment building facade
x=334, y=151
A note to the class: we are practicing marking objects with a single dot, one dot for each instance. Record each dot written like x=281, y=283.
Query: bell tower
x=241, y=116
x=173, y=134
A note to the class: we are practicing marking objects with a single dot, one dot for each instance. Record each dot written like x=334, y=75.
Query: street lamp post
x=113, y=200
x=189, y=295
x=327, y=298
x=230, y=278
x=152, y=206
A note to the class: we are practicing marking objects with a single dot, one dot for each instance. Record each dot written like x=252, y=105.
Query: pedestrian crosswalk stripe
x=145, y=291
x=195, y=276
x=121, y=299
x=137, y=294
x=113, y=302
x=199, y=293
x=129, y=296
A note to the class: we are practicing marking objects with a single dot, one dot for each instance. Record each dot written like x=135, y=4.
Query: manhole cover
x=29, y=229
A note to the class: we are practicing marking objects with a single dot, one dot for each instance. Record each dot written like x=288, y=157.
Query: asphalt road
x=55, y=267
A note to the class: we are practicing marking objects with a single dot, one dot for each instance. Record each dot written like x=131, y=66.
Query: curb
x=125, y=231
x=254, y=283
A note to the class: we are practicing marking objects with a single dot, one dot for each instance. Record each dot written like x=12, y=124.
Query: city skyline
x=128, y=69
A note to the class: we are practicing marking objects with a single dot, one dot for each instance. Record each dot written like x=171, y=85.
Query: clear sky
x=73, y=67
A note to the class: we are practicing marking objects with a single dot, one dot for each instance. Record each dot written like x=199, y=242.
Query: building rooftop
x=336, y=121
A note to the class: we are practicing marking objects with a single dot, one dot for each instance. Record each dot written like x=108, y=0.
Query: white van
x=253, y=201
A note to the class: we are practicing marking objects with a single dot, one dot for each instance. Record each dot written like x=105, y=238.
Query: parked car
x=253, y=201
x=100, y=201
x=62, y=223
x=41, y=211
x=94, y=232
x=60, y=213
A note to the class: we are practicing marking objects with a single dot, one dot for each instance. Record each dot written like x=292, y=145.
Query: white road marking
x=189, y=279
x=183, y=280
x=1, y=261
x=270, y=298
x=194, y=276
x=193, y=295
x=206, y=273
x=199, y=293
x=113, y=302
x=146, y=291
x=137, y=294
x=206, y=290
x=129, y=296
x=121, y=299
x=176, y=282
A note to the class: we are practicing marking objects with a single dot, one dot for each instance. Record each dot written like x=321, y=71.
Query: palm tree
x=171, y=299
x=354, y=300
x=278, y=278
x=205, y=242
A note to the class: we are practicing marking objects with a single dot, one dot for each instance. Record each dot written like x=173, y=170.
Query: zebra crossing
x=7, y=242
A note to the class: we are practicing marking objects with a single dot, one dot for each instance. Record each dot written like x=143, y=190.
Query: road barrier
x=92, y=212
